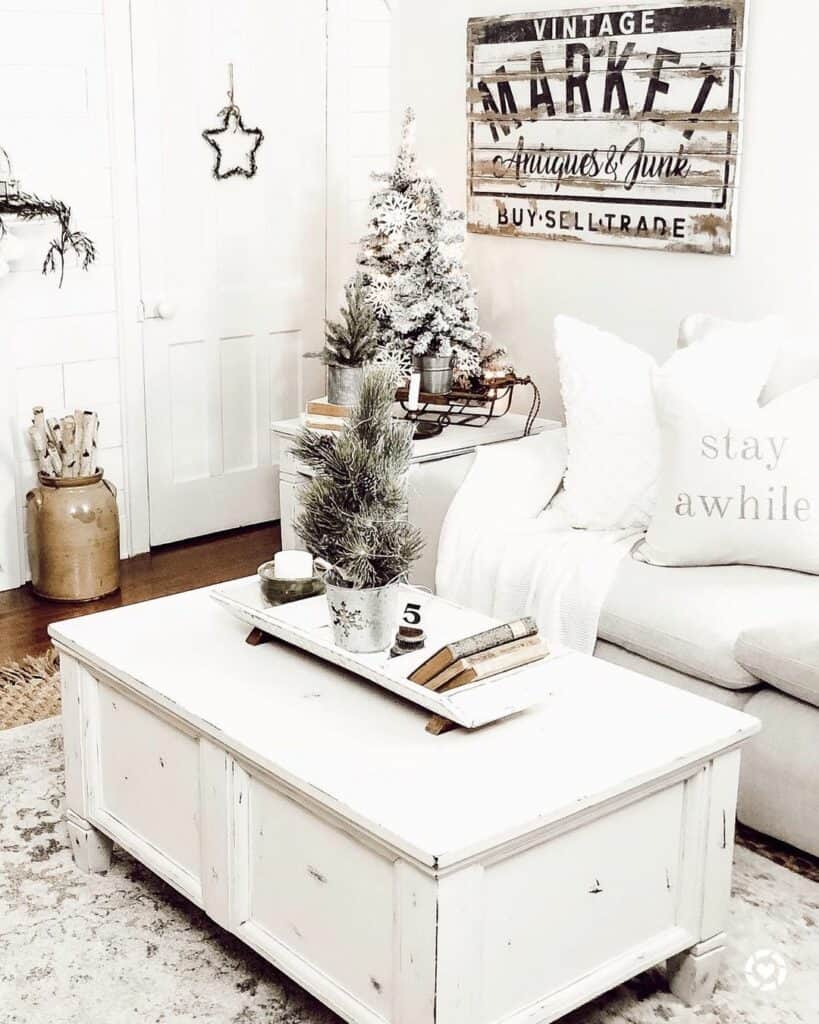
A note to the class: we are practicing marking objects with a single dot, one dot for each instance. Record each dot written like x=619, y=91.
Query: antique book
x=321, y=407
x=322, y=422
x=476, y=661
x=481, y=668
x=470, y=645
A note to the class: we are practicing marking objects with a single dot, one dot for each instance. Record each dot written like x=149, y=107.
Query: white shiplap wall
x=59, y=346
x=361, y=126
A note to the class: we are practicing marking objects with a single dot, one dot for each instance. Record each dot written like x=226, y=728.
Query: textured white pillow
x=612, y=427
x=797, y=360
x=613, y=433
x=738, y=485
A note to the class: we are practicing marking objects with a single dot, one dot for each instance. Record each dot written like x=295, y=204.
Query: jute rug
x=29, y=690
x=124, y=947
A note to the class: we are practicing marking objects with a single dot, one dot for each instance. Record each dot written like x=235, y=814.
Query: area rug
x=123, y=947
x=29, y=690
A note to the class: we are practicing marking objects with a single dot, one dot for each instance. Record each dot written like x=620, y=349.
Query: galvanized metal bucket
x=364, y=621
x=436, y=373
x=344, y=384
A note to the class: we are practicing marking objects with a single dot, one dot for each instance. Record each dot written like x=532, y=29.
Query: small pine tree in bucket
x=354, y=514
x=414, y=277
x=349, y=344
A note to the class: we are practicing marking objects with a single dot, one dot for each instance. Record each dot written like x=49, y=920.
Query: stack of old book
x=323, y=415
x=485, y=654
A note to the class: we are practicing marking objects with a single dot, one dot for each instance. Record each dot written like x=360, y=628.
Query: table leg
x=693, y=973
x=89, y=847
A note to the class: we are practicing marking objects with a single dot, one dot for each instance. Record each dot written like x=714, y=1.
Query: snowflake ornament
x=419, y=289
x=347, y=619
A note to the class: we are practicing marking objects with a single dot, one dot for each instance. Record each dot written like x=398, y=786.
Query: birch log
x=54, y=459
x=39, y=446
x=70, y=460
x=94, y=429
x=79, y=443
x=38, y=422
x=55, y=431
x=89, y=438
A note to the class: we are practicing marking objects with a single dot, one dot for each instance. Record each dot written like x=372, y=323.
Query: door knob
x=165, y=310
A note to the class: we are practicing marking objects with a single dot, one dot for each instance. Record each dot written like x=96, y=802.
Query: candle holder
x=278, y=591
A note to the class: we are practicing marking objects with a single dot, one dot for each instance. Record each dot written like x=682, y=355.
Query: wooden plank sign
x=610, y=125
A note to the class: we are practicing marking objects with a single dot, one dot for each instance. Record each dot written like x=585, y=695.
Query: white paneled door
x=232, y=270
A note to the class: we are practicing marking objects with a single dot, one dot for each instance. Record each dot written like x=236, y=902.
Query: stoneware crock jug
x=73, y=537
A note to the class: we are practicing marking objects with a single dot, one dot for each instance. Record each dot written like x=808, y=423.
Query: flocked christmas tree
x=413, y=272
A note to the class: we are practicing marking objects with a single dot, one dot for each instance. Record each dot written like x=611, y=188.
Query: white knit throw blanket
x=501, y=555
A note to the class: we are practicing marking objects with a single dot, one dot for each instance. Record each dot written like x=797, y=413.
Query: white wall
x=524, y=283
x=361, y=127
x=59, y=347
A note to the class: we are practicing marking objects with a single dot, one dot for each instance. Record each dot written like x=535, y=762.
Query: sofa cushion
x=786, y=655
x=614, y=655
x=690, y=619
x=779, y=784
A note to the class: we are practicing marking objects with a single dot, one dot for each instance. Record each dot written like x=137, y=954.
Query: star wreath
x=235, y=145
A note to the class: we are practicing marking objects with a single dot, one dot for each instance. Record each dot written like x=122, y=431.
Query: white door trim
x=119, y=72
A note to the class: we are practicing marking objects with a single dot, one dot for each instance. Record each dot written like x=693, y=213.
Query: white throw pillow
x=797, y=360
x=738, y=485
x=612, y=428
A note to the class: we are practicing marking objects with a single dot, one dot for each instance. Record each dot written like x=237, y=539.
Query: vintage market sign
x=610, y=125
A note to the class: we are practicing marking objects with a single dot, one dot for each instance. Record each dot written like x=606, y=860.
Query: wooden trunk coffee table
x=506, y=874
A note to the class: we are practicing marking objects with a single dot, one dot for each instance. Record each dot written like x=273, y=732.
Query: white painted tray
x=306, y=624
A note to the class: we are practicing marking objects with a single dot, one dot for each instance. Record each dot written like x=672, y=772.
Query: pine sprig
x=354, y=510
x=29, y=207
x=351, y=341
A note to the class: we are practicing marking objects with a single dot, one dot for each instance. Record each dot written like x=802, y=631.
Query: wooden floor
x=24, y=617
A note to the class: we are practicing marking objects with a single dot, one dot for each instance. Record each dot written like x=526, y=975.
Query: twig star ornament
x=235, y=145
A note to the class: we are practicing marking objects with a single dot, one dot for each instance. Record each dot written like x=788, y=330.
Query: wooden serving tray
x=306, y=624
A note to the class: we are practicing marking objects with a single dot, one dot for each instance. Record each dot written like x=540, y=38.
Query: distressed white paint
x=693, y=974
x=317, y=808
x=324, y=895
x=215, y=799
x=139, y=753
x=90, y=848
x=564, y=145
x=306, y=625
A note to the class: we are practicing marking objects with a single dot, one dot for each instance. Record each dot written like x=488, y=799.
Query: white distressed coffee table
x=504, y=875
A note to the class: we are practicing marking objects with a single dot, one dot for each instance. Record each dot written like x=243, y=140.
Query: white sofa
x=727, y=633
x=692, y=628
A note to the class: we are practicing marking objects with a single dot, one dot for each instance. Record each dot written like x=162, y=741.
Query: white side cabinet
x=439, y=466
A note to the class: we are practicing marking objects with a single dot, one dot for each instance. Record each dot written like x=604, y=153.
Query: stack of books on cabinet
x=323, y=415
x=488, y=653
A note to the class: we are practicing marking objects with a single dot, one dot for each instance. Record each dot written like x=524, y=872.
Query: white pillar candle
x=293, y=565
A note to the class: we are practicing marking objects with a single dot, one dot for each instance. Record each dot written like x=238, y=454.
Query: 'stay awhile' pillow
x=739, y=485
